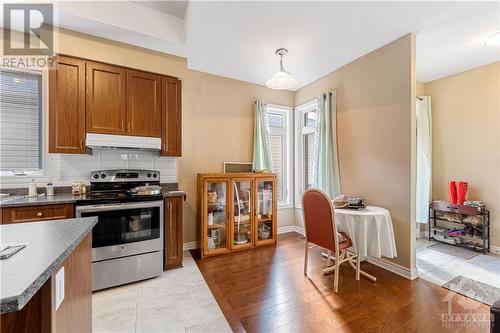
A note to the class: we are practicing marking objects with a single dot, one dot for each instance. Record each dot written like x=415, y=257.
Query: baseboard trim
x=190, y=246
x=291, y=228
x=409, y=274
x=495, y=250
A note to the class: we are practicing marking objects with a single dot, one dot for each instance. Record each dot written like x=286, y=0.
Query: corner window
x=20, y=122
x=306, y=128
x=279, y=123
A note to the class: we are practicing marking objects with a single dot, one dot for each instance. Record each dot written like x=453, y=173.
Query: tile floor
x=439, y=268
x=178, y=301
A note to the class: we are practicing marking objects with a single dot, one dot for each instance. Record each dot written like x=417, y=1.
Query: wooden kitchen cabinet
x=173, y=236
x=171, y=133
x=91, y=97
x=106, y=98
x=144, y=107
x=36, y=213
x=67, y=106
x=237, y=211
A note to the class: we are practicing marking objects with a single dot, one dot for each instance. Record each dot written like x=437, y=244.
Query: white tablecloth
x=370, y=230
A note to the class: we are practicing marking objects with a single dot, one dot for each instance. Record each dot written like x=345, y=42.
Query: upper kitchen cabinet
x=171, y=133
x=106, y=98
x=143, y=104
x=67, y=107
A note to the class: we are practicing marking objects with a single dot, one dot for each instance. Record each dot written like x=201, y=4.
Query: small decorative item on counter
x=32, y=189
x=49, y=189
x=452, y=187
x=210, y=219
x=212, y=197
x=462, y=192
x=83, y=188
x=75, y=188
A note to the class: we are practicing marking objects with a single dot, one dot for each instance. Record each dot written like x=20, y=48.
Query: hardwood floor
x=264, y=290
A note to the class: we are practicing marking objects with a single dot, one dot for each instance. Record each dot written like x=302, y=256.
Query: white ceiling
x=237, y=39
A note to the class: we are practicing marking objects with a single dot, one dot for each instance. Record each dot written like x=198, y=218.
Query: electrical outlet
x=59, y=287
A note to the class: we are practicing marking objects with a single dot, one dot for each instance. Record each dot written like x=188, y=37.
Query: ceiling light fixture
x=282, y=80
x=493, y=39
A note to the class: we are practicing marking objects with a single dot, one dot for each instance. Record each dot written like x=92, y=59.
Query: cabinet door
x=241, y=230
x=106, y=99
x=173, y=239
x=265, y=211
x=67, y=107
x=171, y=132
x=143, y=104
x=214, y=214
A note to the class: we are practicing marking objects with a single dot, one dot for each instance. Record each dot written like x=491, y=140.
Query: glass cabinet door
x=216, y=216
x=265, y=211
x=241, y=202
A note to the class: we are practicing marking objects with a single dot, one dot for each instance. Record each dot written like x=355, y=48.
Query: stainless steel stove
x=127, y=241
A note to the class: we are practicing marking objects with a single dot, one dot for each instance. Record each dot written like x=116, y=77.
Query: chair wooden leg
x=306, y=250
x=336, y=276
x=358, y=269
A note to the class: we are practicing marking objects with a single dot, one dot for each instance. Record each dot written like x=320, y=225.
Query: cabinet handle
x=39, y=214
x=123, y=126
x=129, y=127
x=81, y=143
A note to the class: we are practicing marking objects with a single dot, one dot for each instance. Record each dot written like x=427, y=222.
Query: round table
x=370, y=230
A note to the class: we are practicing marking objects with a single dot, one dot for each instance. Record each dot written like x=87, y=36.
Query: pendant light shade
x=282, y=80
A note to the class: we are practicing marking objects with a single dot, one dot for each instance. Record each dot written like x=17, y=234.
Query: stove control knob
x=103, y=175
x=149, y=175
x=96, y=176
x=155, y=175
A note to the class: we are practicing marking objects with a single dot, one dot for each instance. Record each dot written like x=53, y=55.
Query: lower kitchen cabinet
x=173, y=236
x=36, y=213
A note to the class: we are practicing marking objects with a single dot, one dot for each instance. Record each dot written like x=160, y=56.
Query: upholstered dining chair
x=320, y=230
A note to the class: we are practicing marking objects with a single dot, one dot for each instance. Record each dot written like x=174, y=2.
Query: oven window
x=125, y=226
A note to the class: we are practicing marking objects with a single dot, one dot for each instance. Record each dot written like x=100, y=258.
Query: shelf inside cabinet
x=216, y=226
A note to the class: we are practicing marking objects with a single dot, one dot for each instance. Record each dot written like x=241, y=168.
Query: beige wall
x=376, y=109
x=466, y=136
x=420, y=89
x=217, y=112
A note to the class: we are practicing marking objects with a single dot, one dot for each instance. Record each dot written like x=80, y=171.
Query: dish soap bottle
x=50, y=189
x=32, y=189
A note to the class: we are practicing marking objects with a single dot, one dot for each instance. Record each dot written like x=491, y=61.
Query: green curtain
x=261, y=151
x=326, y=165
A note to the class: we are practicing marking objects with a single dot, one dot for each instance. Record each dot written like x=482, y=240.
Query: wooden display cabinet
x=237, y=211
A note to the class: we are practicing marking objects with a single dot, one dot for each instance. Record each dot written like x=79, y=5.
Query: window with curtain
x=306, y=118
x=278, y=119
x=20, y=121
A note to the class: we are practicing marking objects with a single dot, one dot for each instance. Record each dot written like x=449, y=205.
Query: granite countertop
x=23, y=274
x=19, y=200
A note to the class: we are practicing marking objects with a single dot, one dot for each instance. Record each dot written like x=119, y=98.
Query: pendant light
x=282, y=80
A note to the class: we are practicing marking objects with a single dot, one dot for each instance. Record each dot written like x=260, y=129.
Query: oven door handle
x=106, y=207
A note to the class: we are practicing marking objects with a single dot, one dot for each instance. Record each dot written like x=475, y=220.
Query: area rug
x=476, y=290
x=456, y=251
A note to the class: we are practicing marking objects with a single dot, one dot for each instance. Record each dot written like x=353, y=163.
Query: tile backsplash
x=62, y=169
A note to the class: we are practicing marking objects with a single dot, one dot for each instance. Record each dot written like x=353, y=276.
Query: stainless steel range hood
x=122, y=141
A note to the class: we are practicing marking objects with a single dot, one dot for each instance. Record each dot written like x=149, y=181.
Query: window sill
x=27, y=174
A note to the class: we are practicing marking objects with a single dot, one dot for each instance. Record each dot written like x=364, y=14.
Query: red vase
x=452, y=185
x=462, y=192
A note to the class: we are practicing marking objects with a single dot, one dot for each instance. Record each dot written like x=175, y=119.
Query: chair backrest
x=319, y=223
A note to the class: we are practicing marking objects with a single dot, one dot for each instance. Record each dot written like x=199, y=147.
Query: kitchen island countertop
x=51, y=242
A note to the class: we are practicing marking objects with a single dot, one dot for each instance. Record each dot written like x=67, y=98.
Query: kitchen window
x=279, y=123
x=306, y=128
x=20, y=122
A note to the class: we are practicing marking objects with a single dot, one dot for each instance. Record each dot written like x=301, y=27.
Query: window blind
x=278, y=159
x=20, y=121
